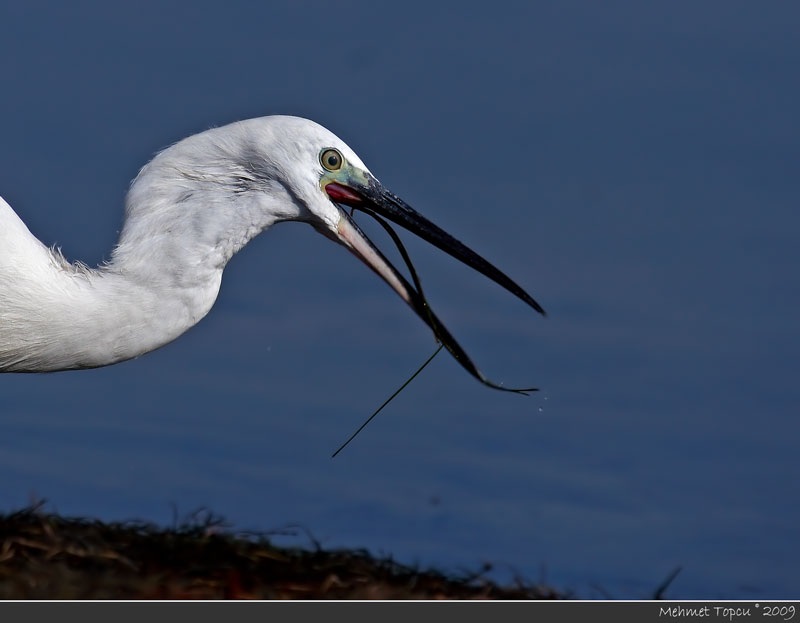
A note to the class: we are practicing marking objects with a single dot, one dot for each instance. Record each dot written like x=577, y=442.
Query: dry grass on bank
x=46, y=556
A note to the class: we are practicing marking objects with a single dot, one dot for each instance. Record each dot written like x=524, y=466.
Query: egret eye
x=331, y=159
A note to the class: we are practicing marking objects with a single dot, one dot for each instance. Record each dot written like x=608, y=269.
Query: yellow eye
x=331, y=159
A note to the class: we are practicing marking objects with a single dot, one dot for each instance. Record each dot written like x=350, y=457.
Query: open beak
x=373, y=199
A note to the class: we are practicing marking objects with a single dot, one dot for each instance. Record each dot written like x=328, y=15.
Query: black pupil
x=333, y=160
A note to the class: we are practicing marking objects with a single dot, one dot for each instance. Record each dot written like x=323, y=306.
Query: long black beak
x=375, y=200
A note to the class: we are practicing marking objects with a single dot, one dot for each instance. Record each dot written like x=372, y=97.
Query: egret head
x=342, y=179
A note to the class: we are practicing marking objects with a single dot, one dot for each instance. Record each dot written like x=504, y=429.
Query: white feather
x=187, y=212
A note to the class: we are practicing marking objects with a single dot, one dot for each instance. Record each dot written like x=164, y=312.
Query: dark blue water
x=633, y=166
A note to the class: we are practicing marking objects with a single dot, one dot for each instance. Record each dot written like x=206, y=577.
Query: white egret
x=187, y=212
